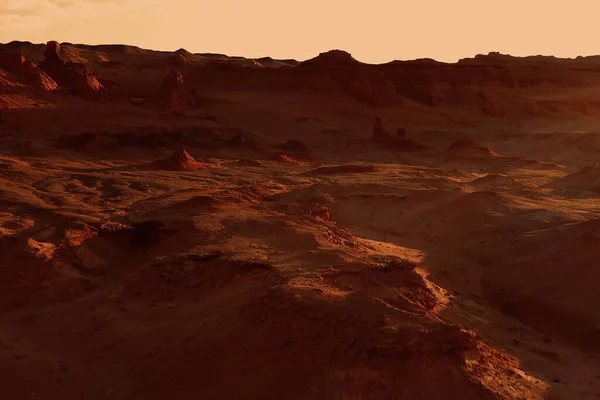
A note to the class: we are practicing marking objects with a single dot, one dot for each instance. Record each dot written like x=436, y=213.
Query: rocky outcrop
x=27, y=70
x=174, y=94
x=268, y=62
x=177, y=59
x=333, y=59
x=75, y=77
x=365, y=83
x=180, y=161
x=52, y=53
x=398, y=142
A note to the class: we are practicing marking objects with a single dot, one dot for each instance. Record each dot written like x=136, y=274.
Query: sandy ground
x=252, y=267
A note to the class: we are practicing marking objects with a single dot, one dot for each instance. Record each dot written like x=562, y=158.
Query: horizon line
x=490, y=53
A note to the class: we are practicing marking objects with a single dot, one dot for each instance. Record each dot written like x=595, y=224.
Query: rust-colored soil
x=295, y=250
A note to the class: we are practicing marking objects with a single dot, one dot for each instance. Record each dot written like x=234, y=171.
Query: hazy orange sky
x=373, y=31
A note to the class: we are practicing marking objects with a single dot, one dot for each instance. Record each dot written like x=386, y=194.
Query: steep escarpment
x=492, y=85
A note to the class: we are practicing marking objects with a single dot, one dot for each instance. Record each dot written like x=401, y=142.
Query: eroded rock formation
x=398, y=142
x=52, y=53
x=27, y=70
x=76, y=77
x=174, y=94
x=181, y=160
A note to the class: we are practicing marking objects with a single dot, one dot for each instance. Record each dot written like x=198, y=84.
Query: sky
x=373, y=31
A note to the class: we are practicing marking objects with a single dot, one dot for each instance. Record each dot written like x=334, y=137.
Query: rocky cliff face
x=493, y=85
x=26, y=70
x=77, y=77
